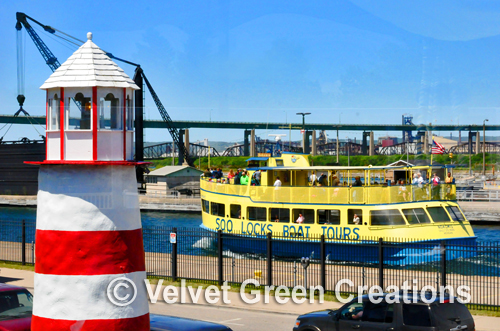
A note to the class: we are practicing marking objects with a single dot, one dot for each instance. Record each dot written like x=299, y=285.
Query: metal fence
x=272, y=259
x=479, y=195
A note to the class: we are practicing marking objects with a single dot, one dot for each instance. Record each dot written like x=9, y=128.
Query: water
x=193, y=220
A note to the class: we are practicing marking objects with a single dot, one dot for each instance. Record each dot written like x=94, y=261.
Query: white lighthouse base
x=88, y=233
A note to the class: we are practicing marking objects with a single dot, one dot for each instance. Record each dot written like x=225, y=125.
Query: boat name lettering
x=338, y=232
x=224, y=225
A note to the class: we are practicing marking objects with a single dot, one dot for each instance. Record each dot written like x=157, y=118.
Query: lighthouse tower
x=90, y=265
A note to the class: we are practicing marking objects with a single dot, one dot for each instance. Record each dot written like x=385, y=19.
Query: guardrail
x=336, y=195
x=481, y=195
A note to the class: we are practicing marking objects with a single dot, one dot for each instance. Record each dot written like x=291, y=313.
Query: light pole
x=348, y=152
x=304, y=129
x=484, y=147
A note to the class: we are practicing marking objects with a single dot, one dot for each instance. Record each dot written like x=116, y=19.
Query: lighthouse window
x=281, y=215
x=78, y=113
x=110, y=113
x=438, y=214
x=328, y=216
x=130, y=114
x=416, y=216
x=217, y=209
x=257, y=214
x=455, y=214
x=386, y=217
x=54, y=113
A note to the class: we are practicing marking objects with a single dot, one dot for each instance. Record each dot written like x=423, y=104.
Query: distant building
x=175, y=178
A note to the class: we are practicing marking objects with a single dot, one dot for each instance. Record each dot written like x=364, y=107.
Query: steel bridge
x=164, y=150
x=159, y=124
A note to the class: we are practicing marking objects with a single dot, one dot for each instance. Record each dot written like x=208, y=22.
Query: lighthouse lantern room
x=90, y=107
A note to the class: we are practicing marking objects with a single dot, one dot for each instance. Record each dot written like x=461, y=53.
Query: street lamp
x=304, y=129
x=484, y=147
x=348, y=152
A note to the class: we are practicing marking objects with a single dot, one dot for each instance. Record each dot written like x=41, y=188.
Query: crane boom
x=50, y=59
x=166, y=118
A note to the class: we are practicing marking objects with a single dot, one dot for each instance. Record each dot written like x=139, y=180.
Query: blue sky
x=359, y=61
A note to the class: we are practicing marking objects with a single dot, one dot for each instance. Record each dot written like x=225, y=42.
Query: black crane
x=139, y=77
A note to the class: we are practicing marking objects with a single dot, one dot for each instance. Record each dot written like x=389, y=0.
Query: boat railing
x=335, y=195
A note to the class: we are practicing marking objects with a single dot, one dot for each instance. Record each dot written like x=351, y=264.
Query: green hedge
x=236, y=162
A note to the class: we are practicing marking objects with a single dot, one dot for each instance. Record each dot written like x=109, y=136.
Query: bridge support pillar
x=478, y=143
x=246, y=147
x=186, y=144
x=469, y=141
x=364, y=143
x=252, y=143
x=313, y=145
x=305, y=142
x=371, y=150
x=179, y=147
x=426, y=142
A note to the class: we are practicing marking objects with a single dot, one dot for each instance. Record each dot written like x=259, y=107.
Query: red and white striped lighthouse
x=90, y=265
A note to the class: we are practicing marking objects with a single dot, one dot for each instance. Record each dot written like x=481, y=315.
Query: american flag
x=437, y=148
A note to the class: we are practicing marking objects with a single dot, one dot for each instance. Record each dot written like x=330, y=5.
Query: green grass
x=16, y=265
x=236, y=162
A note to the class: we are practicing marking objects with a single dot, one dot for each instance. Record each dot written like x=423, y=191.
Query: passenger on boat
x=276, y=218
x=335, y=181
x=313, y=179
x=357, y=182
x=300, y=219
x=277, y=183
x=356, y=220
x=207, y=173
x=230, y=175
x=244, y=178
x=449, y=179
x=402, y=189
x=237, y=177
x=322, y=180
x=435, y=186
x=256, y=175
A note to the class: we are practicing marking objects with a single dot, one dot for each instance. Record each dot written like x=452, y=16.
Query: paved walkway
x=26, y=279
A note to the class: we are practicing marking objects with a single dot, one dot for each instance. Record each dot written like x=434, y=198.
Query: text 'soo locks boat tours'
x=299, y=203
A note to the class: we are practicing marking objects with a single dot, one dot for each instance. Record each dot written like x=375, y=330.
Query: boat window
x=438, y=214
x=386, y=217
x=281, y=215
x=350, y=216
x=257, y=214
x=416, y=216
x=217, y=209
x=205, y=206
x=328, y=216
x=455, y=213
x=307, y=214
x=279, y=163
x=235, y=211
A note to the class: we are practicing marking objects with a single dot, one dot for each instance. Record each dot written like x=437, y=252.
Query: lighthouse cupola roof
x=89, y=66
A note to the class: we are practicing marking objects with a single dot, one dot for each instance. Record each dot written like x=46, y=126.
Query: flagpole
x=431, y=150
